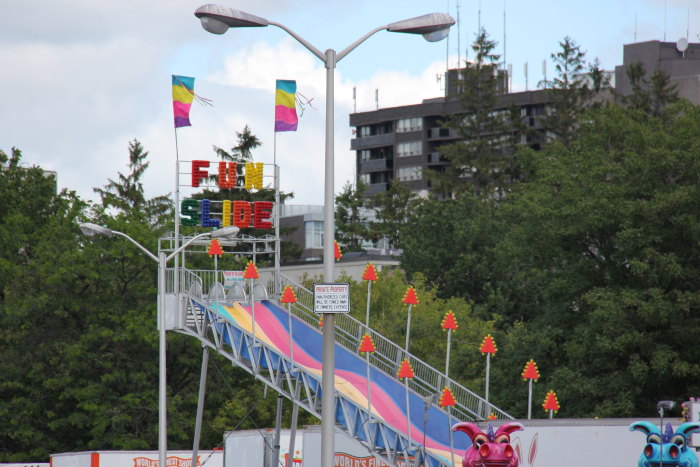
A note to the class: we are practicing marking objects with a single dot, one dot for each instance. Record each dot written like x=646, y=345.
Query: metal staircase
x=199, y=310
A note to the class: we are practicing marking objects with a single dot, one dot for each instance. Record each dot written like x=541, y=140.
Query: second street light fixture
x=230, y=232
x=217, y=19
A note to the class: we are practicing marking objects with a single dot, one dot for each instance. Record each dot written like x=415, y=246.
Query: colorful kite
x=285, y=106
x=183, y=94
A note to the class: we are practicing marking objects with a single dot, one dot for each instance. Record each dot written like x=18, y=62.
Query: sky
x=83, y=78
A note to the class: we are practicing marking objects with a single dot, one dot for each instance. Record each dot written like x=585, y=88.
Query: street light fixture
x=433, y=27
x=90, y=230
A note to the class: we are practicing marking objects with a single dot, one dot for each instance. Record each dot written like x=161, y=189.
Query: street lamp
x=229, y=232
x=433, y=27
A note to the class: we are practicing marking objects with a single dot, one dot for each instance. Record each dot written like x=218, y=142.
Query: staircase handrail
x=428, y=382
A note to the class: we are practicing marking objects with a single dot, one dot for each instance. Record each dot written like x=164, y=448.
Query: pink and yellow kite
x=285, y=106
x=183, y=94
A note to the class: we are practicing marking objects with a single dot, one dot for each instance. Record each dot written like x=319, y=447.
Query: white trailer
x=135, y=459
x=543, y=443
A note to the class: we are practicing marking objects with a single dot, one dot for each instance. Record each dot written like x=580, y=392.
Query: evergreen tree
x=649, y=96
x=351, y=217
x=569, y=91
x=392, y=209
x=126, y=194
x=482, y=161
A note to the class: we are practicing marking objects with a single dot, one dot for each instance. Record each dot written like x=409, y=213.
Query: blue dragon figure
x=667, y=449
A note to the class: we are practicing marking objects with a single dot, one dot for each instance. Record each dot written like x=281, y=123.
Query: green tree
x=600, y=257
x=450, y=243
x=126, y=194
x=77, y=327
x=569, y=90
x=392, y=208
x=243, y=150
x=351, y=217
x=649, y=96
x=482, y=160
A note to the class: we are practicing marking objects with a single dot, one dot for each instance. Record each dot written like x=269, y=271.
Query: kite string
x=202, y=100
x=303, y=103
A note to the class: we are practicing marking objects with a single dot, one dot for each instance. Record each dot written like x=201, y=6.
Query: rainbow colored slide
x=430, y=427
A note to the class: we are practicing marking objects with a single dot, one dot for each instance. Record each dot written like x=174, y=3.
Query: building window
x=365, y=178
x=364, y=131
x=409, y=124
x=410, y=173
x=314, y=234
x=410, y=148
x=365, y=155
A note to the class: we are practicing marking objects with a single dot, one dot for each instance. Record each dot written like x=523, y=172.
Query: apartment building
x=404, y=142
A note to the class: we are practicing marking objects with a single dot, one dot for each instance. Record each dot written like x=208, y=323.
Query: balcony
x=439, y=133
x=434, y=158
x=366, y=142
x=374, y=188
x=375, y=165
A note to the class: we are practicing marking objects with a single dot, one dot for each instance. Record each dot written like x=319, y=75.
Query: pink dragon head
x=489, y=449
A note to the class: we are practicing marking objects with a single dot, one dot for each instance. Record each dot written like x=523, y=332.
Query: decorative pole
x=530, y=373
x=410, y=299
x=215, y=251
x=449, y=323
x=406, y=372
x=336, y=251
x=488, y=347
x=289, y=297
x=251, y=272
x=370, y=275
x=551, y=403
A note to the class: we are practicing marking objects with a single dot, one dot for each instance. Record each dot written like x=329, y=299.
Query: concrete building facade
x=404, y=142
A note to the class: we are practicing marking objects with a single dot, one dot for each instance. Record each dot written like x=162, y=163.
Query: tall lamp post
x=434, y=27
x=91, y=230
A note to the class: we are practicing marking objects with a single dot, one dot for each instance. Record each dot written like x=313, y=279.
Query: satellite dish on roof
x=682, y=44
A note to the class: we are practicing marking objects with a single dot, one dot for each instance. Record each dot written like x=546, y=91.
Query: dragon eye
x=653, y=438
x=480, y=439
x=678, y=440
x=503, y=438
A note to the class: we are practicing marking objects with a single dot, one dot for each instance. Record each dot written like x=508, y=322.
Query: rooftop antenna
x=544, y=71
x=526, y=86
x=505, y=77
x=447, y=44
x=459, y=40
x=376, y=97
x=635, y=26
x=354, y=99
x=510, y=76
x=665, y=12
x=479, y=32
x=687, y=26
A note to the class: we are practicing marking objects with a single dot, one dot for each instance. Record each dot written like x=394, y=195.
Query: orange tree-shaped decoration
x=551, y=403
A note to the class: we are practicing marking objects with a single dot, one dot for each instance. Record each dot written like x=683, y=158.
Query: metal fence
x=427, y=382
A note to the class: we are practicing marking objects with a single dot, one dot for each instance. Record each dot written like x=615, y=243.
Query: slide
x=387, y=392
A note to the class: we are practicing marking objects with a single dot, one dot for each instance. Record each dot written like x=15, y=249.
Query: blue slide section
x=388, y=393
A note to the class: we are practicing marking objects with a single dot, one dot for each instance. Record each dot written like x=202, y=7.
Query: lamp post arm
x=359, y=41
x=185, y=245
x=301, y=40
x=141, y=247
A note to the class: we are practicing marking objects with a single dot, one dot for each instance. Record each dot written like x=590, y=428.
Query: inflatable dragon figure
x=489, y=449
x=667, y=449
